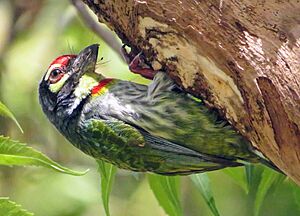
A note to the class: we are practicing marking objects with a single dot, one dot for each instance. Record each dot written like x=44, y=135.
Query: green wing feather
x=130, y=148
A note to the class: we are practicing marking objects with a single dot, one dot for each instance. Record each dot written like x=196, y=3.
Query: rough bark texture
x=241, y=56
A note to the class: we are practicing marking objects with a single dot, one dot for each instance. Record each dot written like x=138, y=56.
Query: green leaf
x=239, y=176
x=269, y=178
x=4, y=111
x=16, y=153
x=166, y=191
x=10, y=208
x=296, y=192
x=107, y=172
x=202, y=182
x=249, y=169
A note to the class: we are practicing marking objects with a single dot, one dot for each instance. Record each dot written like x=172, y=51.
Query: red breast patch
x=101, y=87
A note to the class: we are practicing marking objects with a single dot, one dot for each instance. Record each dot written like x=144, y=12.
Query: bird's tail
x=270, y=164
x=265, y=161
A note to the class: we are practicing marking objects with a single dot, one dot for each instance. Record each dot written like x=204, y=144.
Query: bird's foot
x=137, y=64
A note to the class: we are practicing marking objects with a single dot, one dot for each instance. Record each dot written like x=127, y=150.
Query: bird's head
x=68, y=81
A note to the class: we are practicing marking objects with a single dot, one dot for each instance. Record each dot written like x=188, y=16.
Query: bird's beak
x=85, y=61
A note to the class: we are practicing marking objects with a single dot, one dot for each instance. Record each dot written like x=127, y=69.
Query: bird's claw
x=137, y=64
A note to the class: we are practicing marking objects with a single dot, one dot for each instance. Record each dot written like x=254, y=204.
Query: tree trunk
x=241, y=57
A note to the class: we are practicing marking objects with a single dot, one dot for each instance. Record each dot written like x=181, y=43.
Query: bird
x=155, y=128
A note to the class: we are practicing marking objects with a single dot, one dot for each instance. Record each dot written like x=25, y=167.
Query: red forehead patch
x=62, y=60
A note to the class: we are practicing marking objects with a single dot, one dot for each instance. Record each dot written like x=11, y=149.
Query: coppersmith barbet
x=155, y=128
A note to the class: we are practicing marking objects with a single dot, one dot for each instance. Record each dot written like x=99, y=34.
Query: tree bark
x=240, y=56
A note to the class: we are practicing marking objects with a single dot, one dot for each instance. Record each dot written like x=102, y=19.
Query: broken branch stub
x=242, y=57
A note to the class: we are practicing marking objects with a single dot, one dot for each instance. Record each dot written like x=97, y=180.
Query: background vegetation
x=32, y=34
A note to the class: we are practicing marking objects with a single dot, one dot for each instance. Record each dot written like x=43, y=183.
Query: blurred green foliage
x=32, y=34
x=10, y=208
x=166, y=191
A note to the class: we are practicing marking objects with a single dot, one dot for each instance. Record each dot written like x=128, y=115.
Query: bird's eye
x=56, y=75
